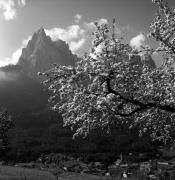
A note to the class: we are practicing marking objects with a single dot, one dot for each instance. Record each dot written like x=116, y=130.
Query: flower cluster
x=113, y=84
x=163, y=28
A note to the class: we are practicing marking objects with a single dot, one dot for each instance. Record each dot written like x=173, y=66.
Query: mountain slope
x=41, y=53
x=20, y=90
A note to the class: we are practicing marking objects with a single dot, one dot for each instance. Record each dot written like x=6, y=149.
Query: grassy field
x=17, y=173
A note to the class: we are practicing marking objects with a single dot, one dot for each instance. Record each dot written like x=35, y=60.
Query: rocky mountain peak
x=41, y=52
x=41, y=32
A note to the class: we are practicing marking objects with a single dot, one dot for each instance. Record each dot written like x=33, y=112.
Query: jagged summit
x=41, y=52
x=41, y=31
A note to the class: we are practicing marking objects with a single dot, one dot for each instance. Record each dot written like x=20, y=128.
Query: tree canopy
x=109, y=85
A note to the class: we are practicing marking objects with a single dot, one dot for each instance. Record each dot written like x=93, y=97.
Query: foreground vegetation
x=16, y=173
x=110, y=87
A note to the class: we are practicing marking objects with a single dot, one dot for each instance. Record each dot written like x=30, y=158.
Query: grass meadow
x=18, y=173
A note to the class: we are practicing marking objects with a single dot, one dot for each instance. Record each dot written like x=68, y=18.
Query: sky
x=71, y=21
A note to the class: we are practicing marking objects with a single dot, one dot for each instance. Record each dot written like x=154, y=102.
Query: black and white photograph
x=87, y=89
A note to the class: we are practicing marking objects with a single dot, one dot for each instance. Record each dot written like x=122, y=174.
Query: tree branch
x=141, y=105
x=126, y=114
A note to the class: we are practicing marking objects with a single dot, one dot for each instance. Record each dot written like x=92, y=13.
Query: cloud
x=77, y=18
x=71, y=33
x=91, y=25
x=16, y=55
x=103, y=21
x=137, y=41
x=74, y=35
x=25, y=41
x=22, y=3
x=9, y=8
x=76, y=45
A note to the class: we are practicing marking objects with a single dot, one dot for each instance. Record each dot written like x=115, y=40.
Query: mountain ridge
x=41, y=52
x=21, y=91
